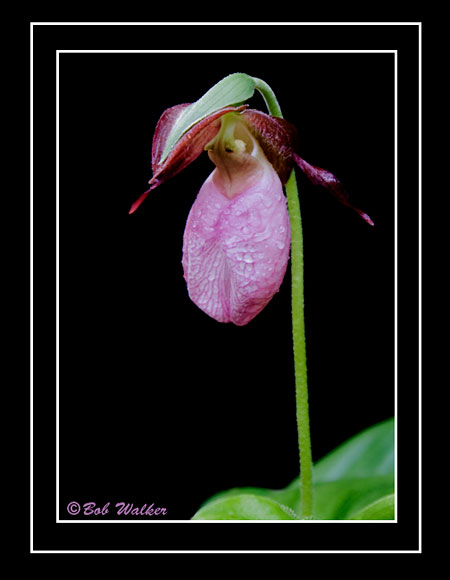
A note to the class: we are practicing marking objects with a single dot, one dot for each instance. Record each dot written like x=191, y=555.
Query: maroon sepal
x=186, y=149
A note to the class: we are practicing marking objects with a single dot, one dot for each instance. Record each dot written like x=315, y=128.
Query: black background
x=158, y=403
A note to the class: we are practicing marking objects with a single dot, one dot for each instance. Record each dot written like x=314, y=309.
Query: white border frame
x=58, y=52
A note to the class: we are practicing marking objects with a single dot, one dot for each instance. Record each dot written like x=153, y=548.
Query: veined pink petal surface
x=235, y=251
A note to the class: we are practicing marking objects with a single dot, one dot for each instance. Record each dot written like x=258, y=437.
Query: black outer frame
x=49, y=535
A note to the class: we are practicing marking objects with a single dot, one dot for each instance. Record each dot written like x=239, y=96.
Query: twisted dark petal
x=142, y=197
x=326, y=179
x=279, y=140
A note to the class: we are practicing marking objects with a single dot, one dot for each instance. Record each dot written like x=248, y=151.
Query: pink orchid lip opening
x=238, y=158
x=237, y=237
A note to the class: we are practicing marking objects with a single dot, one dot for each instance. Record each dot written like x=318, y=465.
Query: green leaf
x=244, y=507
x=340, y=500
x=289, y=496
x=334, y=500
x=347, y=481
x=381, y=509
x=232, y=90
x=369, y=453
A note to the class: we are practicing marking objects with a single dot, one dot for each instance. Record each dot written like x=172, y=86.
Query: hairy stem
x=298, y=322
x=298, y=335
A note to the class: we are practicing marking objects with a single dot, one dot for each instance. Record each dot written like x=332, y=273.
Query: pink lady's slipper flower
x=237, y=238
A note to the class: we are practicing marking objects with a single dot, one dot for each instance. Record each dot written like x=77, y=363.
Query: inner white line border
x=32, y=24
x=206, y=51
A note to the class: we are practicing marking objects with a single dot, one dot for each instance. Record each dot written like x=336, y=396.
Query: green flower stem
x=298, y=322
x=298, y=335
